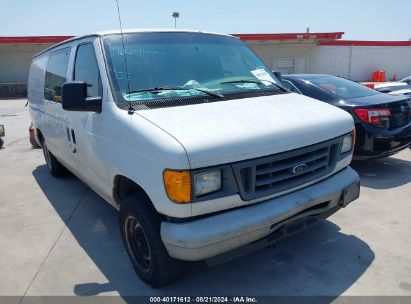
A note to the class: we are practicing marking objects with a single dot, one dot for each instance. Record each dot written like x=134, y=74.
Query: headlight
x=348, y=143
x=207, y=182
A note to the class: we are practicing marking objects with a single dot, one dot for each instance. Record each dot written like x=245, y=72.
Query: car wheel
x=1, y=143
x=55, y=167
x=140, y=230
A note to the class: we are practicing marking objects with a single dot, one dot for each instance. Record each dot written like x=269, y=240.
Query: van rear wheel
x=140, y=230
x=55, y=167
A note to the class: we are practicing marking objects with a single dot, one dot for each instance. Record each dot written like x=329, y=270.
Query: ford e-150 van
x=192, y=138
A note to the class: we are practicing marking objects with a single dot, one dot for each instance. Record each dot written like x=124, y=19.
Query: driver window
x=86, y=69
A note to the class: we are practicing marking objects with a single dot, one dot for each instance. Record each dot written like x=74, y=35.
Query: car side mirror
x=277, y=74
x=74, y=98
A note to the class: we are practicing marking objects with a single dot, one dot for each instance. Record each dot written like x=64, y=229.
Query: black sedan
x=382, y=121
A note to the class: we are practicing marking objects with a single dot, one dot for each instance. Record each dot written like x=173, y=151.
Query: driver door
x=87, y=128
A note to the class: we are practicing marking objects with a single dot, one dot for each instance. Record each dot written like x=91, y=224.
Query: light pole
x=175, y=16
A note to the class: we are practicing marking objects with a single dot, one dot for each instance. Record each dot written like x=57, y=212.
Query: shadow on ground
x=385, y=173
x=319, y=261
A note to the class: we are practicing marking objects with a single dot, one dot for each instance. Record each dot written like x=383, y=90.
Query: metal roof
x=322, y=38
x=291, y=36
x=365, y=43
x=33, y=39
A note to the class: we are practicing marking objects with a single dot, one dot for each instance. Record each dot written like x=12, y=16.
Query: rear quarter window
x=56, y=73
x=35, y=89
x=341, y=87
x=315, y=92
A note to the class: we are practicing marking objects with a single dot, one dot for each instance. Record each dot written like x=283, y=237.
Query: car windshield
x=342, y=87
x=180, y=64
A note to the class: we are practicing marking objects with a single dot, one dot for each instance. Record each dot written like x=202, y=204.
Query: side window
x=86, y=69
x=56, y=71
x=317, y=93
x=289, y=86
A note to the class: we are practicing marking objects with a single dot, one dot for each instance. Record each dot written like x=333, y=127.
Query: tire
x=55, y=167
x=1, y=143
x=140, y=230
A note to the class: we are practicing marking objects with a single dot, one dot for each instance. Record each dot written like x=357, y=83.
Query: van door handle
x=68, y=135
x=73, y=137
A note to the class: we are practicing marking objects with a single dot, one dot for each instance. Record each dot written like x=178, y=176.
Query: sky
x=359, y=19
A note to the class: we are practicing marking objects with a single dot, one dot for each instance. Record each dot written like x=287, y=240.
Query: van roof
x=155, y=30
x=128, y=31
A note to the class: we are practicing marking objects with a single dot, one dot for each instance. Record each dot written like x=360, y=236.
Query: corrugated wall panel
x=391, y=59
x=333, y=60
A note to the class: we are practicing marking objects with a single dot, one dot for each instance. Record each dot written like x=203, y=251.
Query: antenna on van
x=130, y=108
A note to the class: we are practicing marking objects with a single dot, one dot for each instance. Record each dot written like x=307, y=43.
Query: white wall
x=15, y=61
x=389, y=59
x=303, y=54
x=335, y=60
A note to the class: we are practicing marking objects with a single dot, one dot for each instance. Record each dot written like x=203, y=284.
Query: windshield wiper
x=242, y=81
x=211, y=93
x=254, y=81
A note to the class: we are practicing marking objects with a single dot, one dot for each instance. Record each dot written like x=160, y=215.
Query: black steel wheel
x=140, y=230
x=137, y=244
x=55, y=167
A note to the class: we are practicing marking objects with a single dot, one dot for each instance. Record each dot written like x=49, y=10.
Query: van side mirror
x=74, y=98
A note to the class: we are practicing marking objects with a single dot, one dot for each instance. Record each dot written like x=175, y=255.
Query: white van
x=190, y=136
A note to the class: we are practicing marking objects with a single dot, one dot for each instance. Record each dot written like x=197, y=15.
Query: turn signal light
x=178, y=185
x=378, y=117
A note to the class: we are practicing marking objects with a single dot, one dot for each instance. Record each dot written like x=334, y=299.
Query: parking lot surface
x=58, y=237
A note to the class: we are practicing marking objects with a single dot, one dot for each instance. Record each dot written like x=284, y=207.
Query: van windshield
x=167, y=65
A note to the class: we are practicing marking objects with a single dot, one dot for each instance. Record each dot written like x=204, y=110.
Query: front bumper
x=211, y=236
x=374, y=142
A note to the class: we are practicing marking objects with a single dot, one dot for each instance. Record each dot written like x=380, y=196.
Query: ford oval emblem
x=300, y=168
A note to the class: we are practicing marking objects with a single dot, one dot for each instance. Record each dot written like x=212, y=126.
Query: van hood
x=234, y=130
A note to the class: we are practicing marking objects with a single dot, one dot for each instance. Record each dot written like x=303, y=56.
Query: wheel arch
x=124, y=186
x=40, y=137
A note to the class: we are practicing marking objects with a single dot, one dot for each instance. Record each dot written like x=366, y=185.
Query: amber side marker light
x=178, y=186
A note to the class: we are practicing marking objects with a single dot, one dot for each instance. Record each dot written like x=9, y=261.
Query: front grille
x=276, y=173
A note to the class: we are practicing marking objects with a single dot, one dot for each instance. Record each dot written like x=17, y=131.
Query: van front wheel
x=55, y=167
x=140, y=231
